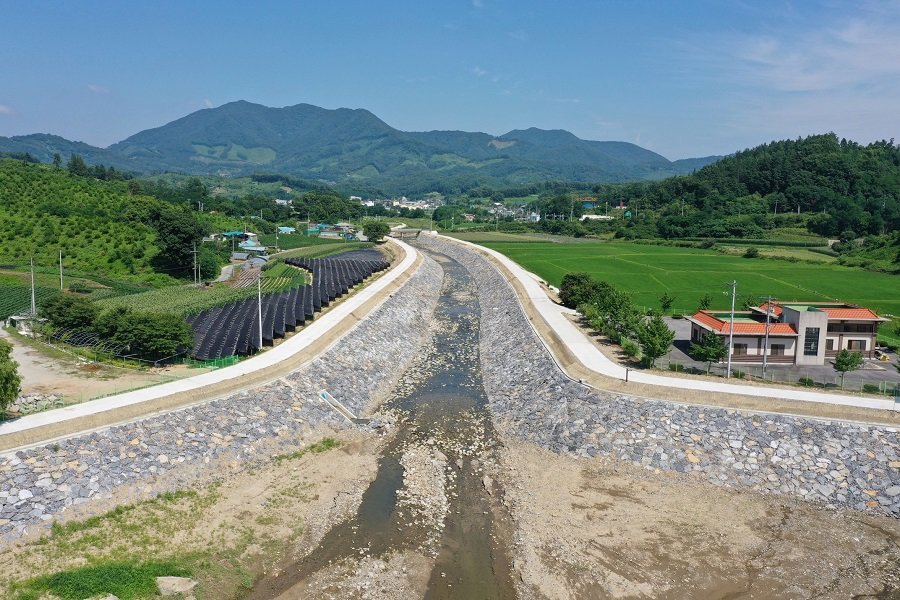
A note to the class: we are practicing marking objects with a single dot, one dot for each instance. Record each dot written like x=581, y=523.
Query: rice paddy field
x=688, y=274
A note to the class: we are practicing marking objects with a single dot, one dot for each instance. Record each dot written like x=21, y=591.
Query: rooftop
x=834, y=310
x=745, y=323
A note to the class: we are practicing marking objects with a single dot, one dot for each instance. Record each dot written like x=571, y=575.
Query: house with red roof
x=800, y=333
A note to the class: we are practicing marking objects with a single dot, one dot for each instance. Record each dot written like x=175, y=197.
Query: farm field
x=689, y=274
x=290, y=241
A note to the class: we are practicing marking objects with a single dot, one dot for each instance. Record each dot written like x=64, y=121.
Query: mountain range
x=353, y=146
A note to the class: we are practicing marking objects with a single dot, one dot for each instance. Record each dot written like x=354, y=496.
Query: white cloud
x=842, y=75
x=97, y=89
x=207, y=103
x=518, y=34
x=478, y=3
x=478, y=71
x=858, y=53
x=569, y=100
x=5, y=110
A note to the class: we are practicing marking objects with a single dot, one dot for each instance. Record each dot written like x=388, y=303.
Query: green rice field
x=688, y=274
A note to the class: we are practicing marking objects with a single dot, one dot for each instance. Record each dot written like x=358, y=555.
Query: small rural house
x=800, y=333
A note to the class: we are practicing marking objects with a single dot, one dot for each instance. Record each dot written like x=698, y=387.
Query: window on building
x=829, y=343
x=856, y=345
x=740, y=349
x=811, y=341
x=776, y=350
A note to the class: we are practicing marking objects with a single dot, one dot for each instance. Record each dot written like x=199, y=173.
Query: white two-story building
x=801, y=333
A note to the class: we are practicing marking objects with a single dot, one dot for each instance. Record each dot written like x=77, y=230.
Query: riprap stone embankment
x=185, y=447
x=838, y=463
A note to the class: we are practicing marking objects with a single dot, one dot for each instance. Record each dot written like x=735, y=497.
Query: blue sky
x=683, y=78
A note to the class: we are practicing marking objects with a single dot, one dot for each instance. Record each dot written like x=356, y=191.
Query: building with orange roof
x=801, y=333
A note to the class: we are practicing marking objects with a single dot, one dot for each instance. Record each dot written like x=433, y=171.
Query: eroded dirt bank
x=595, y=528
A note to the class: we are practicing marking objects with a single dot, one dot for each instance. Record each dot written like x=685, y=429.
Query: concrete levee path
x=317, y=337
x=579, y=358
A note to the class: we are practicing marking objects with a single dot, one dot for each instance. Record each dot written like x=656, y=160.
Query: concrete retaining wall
x=185, y=446
x=829, y=461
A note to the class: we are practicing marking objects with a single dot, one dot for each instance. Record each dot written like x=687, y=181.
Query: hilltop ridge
x=354, y=145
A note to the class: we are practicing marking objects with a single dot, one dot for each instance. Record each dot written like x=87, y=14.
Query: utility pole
x=259, y=305
x=766, y=342
x=33, y=299
x=733, y=286
x=33, y=302
x=61, y=288
x=196, y=271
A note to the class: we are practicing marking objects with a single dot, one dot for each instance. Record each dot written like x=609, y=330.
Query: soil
x=76, y=380
x=242, y=525
x=594, y=528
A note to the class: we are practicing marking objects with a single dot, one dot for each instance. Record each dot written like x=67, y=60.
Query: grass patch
x=323, y=445
x=322, y=250
x=128, y=581
x=290, y=241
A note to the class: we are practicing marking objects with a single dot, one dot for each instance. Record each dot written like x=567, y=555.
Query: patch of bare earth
x=597, y=529
x=77, y=380
x=230, y=532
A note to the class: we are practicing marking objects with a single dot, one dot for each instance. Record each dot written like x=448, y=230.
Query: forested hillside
x=838, y=189
x=100, y=227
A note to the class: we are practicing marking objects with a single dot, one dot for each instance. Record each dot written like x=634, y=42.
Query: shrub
x=68, y=310
x=79, y=287
x=676, y=367
x=807, y=381
x=630, y=348
x=738, y=373
x=151, y=336
x=580, y=288
x=871, y=388
x=751, y=252
x=10, y=380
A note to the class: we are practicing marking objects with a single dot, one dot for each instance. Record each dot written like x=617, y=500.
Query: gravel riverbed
x=190, y=446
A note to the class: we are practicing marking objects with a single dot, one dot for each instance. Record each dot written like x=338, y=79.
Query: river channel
x=430, y=497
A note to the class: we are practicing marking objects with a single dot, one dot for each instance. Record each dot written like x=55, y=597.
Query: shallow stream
x=443, y=430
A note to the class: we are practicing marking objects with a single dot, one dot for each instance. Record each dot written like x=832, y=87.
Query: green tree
x=576, y=289
x=711, y=348
x=375, y=230
x=847, y=361
x=57, y=160
x=751, y=252
x=666, y=301
x=150, y=336
x=705, y=302
x=77, y=166
x=195, y=190
x=177, y=232
x=69, y=311
x=10, y=381
x=209, y=263
x=655, y=339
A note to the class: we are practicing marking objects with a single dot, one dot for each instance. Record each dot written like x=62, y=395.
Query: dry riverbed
x=598, y=529
x=228, y=533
